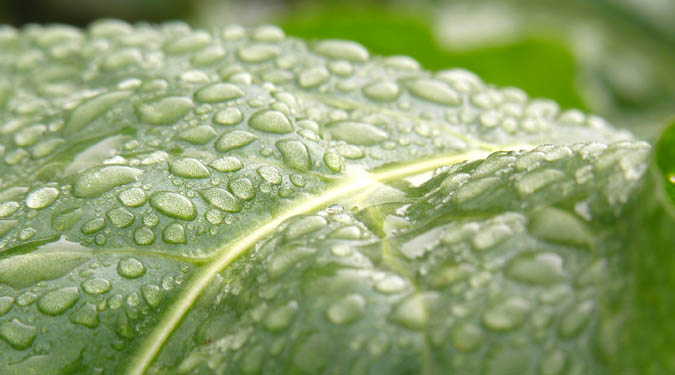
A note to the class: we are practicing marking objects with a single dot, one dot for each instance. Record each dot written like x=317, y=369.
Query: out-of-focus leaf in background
x=611, y=57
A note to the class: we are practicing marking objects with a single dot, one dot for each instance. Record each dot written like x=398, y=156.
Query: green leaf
x=174, y=201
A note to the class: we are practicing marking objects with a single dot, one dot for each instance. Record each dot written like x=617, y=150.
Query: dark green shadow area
x=665, y=159
x=542, y=66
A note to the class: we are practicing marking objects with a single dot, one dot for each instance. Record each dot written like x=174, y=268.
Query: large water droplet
x=342, y=49
x=8, y=208
x=234, y=139
x=347, y=309
x=173, y=205
x=226, y=164
x=18, y=335
x=58, y=301
x=270, y=121
x=95, y=182
x=333, y=161
x=41, y=198
x=219, y=92
x=270, y=174
x=313, y=77
x=66, y=219
x=6, y=303
x=130, y=268
x=391, y=284
x=294, y=153
x=188, y=168
x=164, y=111
x=221, y=199
x=174, y=234
x=96, y=286
x=242, y=188
x=357, y=133
x=93, y=225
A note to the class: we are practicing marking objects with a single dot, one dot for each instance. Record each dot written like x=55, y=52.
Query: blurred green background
x=615, y=58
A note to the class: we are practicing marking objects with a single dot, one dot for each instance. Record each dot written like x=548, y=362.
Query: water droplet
x=95, y=182
x=435, y=91
x=229, y=117
x=152, y=294
x=280, y=318
x=281, y=263
x=226, y=164
x=41, y=198
x=188, y=168
x=555, y=225
x=120, y=217
x=242, y=188
x=411, y=313
x=574, y=320
x=295, y=154
x=537, y=268
x=130, y=268
x=341, y=68
x=93, y=225
x=382, y=90
x=534, y=181
x=28, y=136
x=258, y=53
x=96, y=286
x=164, y=111
x=268, y=33
x=270, y=174
x=218, y=92
x=491, y=236
x=144, y=236
x=18, y=335
x=58, y=301
x=313, y=77
x=174, y=234
x=66, y=219
x=340, y=250
x=554, y=363
x=342, y=49
x=305, y=225
x=6, y=303
x=221, y=199
x=173, y=205
x=8, y=208
x=86, y=315
x=507, y=315
x=391, y=284
x=270, y=121
x=350, y=151
x=451, y=274
x=467, y=337
x=356, y=133
x=346, y=310
x=333, y=161
x=88, y=111
x=6, y=226
x=199, y=135
x=191, y=42
x=234, y=139
x=134, y=197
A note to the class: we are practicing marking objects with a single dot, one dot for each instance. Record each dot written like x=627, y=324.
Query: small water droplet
x=537, y=268
x=188, y=168
x=164, y=111
x=411, y=313
x=152, y=294
x=58, y=301
x=134, y=197
x=221, y=199
x=173, y=205
x=280, y=318
x=270, y=174
x=342, y=49
x=130, y=268
x=41, y=198
x=507, y=315
x=434, y=91
x=467, y=337
x=96, y=286
x=8, y=208
x=242, y=188
x=174, y=234
x=218, y=92
x=93, y=225
x=86, y=315
x=144, y=236
x=391, y=284
x=6, y=303
x=382, y=90
x=233, y=140
x=295, y=154
x=356, y=133
x=121, y=217
x=346, y=310
x=229, y=116
x=270, y=121
x=199, y=135
x=574, y=320
x=333, y=161
x=258, y=53
x=313, y=77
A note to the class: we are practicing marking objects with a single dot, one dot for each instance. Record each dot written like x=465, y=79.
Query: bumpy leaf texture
x=176, y=201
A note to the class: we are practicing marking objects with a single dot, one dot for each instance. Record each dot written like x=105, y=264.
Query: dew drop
x=144, y=236
x=173, y=205
x=6, y=303
x=467, y=337
x=507, y=315
x=41, y=198
x=411, y=313
x=280, y=318
x=342, y=49
x=258, y=53
x=88, y=111
x=18, y=335
x=226, y=164
x=130, y=268
x=270, y=121
x=164, y=111
x=221, y=199
x=295, y=154
x=356, y=133
x=537, y=268
x=96, y=286
x=384, y=91
x=152, y=294
x=95, y=182
x=121, y=217
x=391, y=284
x=333, y=161
x=313, y=77
x=188, y=168
x=242, y=188
x=93, y=225
x=174, y=234
x=233, y=140
x=305, y=225
x=199, y=135
x=8, y=208
x=574, y=321
x=537, y=180
x=270, y=174
x=434, y=91
x=346, y=310
x=218, y=92
x=229, y=117
x=86, y=315
x=66, y=219
x=58, y=301
x=134, y=197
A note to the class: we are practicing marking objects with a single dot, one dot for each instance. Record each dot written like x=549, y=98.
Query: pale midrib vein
x=232, y=250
